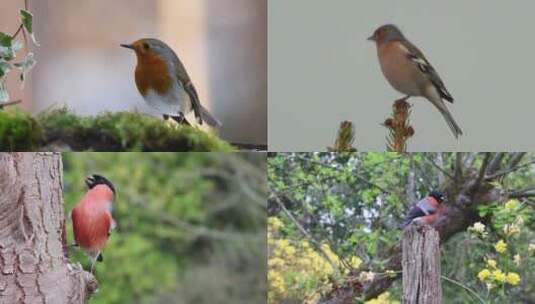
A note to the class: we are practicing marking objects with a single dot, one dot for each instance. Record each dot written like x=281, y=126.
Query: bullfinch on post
x=425, y=211
x=92, y=221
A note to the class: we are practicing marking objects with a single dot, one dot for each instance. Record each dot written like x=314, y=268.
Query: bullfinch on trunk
x=425, y=211
x=92, y=221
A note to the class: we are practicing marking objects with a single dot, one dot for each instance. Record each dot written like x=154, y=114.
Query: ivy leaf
x=6, y=50
x=4, y=68
x=4, y=96
x=25, y=66
x=27, y=21
x=5, y=40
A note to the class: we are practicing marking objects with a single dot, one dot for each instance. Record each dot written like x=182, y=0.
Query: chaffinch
x=408, y=71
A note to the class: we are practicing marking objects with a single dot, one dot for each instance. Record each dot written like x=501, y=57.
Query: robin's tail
x=210, y=119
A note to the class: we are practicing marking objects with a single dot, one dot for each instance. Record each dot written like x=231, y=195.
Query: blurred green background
x=191, y=226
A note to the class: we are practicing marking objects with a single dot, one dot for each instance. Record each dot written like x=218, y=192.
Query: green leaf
x=6, y=50
x=5, y=40
x=4, y=96
x=27, y=21
x=26, y=65
x=4, y=68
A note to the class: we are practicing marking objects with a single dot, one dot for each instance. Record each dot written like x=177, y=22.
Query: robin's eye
x=146, y=46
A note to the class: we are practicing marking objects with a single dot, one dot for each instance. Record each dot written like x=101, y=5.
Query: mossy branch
x=62, y=130
x=345, y=139
x=399, y=127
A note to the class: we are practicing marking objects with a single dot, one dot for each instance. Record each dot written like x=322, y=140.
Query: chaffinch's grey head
x=387, y=33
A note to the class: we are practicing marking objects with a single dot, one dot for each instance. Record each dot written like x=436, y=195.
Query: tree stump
x=421, y=266
x=34, y=267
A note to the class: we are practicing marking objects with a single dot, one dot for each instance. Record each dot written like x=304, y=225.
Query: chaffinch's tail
x=439, y=104
x=451, y=122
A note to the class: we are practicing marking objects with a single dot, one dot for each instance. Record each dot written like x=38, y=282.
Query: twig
x=510, y=170
x=482, y=170
x=345, y=139
x=438, y=167
x=464, y=287
x=398, y=125
x=9, y=103
x=17, y=32
x=306, y=234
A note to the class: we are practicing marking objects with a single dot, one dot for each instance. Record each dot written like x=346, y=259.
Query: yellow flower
x=501, y=246
x=511, y=204
x=355, y=262
x=531, y=248
x=383, y=299
x=511, y=229
x=275, y=223
x=391, y=273
x=491, y=263
x=478, y=227
x=517, y=259
x=367, y=276
x=499, y=276
x=513, y=278
x=484, y=274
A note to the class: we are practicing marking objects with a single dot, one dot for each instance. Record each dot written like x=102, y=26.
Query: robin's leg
x=181, y=119
x=170, y=120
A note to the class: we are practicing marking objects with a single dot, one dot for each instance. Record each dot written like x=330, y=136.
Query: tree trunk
x=34, y=267
x=421, y=266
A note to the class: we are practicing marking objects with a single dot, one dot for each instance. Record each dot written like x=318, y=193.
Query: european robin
x=164, y=83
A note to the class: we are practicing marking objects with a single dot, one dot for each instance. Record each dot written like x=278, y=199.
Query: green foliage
x=18, y=131
x=355, y=203
x=9, y=47
x=187, y=230
x=123, y=131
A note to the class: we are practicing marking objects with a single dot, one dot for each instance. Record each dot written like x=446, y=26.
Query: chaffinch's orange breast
x=152, y=72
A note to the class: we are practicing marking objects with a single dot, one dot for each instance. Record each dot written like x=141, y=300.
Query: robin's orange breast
x=152, y=72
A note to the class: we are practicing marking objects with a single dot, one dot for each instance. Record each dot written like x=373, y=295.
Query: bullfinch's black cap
x=438, y=195
x=95, y=179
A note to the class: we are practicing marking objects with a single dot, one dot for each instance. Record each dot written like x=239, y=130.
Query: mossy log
x=62, y=130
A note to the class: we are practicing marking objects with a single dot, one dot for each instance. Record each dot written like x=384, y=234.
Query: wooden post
x=421, y=266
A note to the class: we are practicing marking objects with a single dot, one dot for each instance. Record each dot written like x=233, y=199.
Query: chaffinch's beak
x=128, y=46
x=371, y=38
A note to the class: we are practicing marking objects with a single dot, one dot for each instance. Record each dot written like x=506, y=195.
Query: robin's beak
x=128, y=46
x=371, y=38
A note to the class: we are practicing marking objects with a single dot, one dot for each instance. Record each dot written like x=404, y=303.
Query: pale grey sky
x=322, y=71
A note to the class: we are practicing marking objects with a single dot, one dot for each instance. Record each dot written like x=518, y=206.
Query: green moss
x=123, y=131
x=18, y=131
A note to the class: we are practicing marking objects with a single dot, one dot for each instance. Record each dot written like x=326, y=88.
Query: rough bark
x=34, y=267
x=421, y=266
